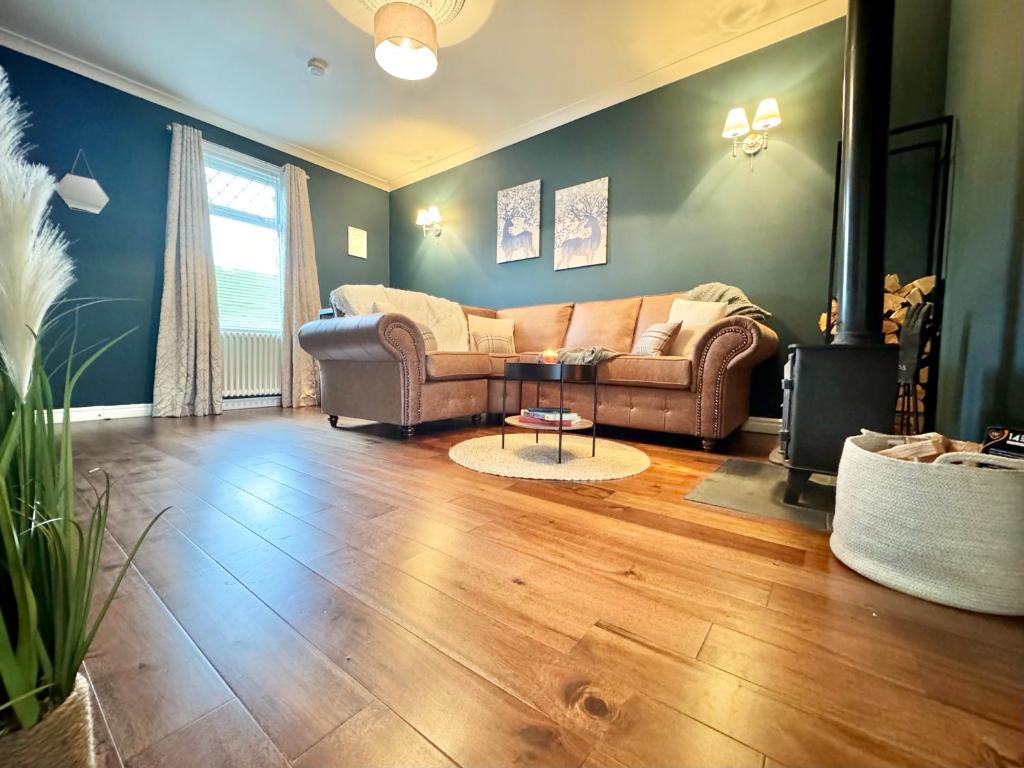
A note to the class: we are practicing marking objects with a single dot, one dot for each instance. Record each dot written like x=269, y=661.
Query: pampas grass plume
x=34, y=267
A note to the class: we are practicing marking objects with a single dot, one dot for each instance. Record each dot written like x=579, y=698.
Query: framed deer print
x=519, y=222
x=581, y=225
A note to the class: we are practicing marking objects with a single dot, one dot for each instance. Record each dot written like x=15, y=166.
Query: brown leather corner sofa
x=374, y=367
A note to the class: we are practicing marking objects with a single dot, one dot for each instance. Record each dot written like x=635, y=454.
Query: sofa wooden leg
x=708, y=444
x=332, y=420
x=407, y=431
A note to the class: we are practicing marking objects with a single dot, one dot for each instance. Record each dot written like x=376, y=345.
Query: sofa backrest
x=469, y=309
x=604, y=324
x=654, y=309
x=539, y=327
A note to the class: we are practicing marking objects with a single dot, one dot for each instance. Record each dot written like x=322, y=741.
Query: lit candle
x=549, y=356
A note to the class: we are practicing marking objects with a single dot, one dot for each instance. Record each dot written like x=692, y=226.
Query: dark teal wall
x=682, y=210
x=982, y=377
x=119, y=253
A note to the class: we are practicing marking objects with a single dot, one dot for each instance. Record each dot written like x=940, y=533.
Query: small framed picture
x=357, y=242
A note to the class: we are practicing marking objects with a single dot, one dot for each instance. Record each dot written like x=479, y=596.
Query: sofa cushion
x=498, y=363
x=469, y=309
x=444, y=366
x=653, y=309
x=696, y=317
x=494, y=344
x=487, y=328
x=696, y=312
x=539, y=327
x=604, y=324
x=656, y=339
x=646, y=371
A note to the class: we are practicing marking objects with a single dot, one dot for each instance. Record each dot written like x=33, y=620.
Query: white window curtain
x=188, y=378
x=300, y=378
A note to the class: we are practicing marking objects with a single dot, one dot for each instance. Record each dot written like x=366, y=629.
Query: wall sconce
x=430, y=220
x=737, y=129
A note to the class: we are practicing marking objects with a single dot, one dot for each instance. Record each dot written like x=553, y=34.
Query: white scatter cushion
x=444, y=318
x=489, y=326
x=685, y=341
x=695, y=317
x=494, y=343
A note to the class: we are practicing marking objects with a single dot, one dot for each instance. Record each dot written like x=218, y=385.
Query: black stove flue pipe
x=866, y=87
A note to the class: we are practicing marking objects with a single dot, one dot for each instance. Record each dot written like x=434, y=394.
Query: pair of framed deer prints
x=581, y=224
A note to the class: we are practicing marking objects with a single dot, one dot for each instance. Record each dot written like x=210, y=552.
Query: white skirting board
x=137, y=410
x=761, y=424
x=101, y=412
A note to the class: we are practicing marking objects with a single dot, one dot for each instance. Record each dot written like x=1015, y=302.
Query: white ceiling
x=508, y=68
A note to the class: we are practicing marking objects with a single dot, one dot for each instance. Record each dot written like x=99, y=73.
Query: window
x=244, y=198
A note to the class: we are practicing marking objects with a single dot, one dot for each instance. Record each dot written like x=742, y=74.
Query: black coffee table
x=562, y=373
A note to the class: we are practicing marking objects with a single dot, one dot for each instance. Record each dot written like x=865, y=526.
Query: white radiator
x=252, y=363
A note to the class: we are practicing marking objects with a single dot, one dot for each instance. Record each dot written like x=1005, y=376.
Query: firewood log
x=925, y=284
x=892, y=283
x=914, y=296
x=891, y=302
x=917, y=449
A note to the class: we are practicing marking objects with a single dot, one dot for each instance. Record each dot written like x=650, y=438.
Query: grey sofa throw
x=586, y=355
x=188, y=378
x=737, y=300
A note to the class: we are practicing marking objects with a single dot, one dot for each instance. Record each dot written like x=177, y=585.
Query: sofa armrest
x=367, y=338
x=723, y=358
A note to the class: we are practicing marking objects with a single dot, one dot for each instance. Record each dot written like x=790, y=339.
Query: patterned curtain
x=300, y=378
x=188, y=357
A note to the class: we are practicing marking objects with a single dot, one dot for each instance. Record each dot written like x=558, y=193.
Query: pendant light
x=405, y=41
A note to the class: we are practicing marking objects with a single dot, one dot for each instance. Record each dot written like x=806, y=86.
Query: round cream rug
x=522, y=457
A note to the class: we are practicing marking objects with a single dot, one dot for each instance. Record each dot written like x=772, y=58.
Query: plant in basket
x=50, y=539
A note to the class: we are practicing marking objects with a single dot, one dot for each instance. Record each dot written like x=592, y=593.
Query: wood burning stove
x=833, y=391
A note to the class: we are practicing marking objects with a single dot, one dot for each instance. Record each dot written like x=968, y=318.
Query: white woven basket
x=949, y=533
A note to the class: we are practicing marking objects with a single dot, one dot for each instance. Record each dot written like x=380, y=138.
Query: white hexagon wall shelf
x=82, y=193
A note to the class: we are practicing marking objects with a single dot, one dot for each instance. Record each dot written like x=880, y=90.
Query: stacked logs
x=927, y=448
x=898, y=299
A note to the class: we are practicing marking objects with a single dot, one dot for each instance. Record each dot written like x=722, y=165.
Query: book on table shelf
x=555, y=414
x=546, y=422
x=550, y=416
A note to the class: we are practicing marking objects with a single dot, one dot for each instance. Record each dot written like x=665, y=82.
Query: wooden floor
x=322, y=598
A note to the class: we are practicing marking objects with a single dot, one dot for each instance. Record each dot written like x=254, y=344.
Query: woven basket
x=948, y=533
x=63, y=738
